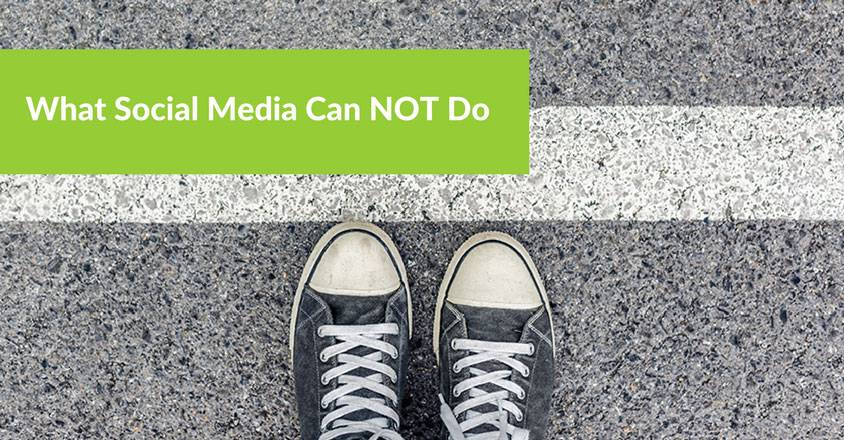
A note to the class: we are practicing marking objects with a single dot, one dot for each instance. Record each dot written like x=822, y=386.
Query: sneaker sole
x=317, y=251
x=473, y=241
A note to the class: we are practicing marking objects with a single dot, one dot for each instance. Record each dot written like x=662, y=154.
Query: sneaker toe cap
x=355, y=263
x=493, y=274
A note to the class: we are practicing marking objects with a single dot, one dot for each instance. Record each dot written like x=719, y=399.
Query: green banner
x=264, y=111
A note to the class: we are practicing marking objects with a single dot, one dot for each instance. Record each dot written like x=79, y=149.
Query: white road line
x=601, y=163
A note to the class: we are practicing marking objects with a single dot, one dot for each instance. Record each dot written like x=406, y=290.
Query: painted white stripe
x=642, y=163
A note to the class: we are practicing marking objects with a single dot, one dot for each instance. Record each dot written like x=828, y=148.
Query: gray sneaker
x=494, y=343
x=349, y=335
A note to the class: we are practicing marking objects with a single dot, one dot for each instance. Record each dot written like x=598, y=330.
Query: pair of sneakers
x=351, y=324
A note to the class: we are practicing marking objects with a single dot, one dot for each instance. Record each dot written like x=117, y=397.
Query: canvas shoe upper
x=350, y=328
x=494, y=343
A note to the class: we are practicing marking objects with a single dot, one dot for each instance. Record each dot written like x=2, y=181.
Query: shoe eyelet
x=324, y=380
x=394, y=354
x=320, y=332
x=455, y=369
x=532, y=349
x=322, y=357
x=454, y=344
x=519, y=417
x=526, y=373
x=323, y=404
x=521, y=394
x=455, y=393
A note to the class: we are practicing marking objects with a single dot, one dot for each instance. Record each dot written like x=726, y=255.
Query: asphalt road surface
x=664, y=330
x=145, y=310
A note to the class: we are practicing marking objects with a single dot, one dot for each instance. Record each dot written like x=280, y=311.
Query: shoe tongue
x=495, y=324
x=357, y=310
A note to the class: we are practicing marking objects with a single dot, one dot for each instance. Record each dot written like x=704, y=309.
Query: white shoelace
x=484, y=351
x=350, y=337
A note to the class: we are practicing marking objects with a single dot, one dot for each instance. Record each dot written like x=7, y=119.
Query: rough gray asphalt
x=640, y=52
x=664, y=330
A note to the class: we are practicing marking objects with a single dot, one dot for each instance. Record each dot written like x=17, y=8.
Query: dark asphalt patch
x=668, y=329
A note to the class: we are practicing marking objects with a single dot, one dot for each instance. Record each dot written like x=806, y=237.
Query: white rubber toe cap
x=355, y=263
x=493, y=274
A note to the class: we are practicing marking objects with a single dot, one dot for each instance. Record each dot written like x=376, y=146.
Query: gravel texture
x=664, y=330
x=637, y=52
x=673, y=329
